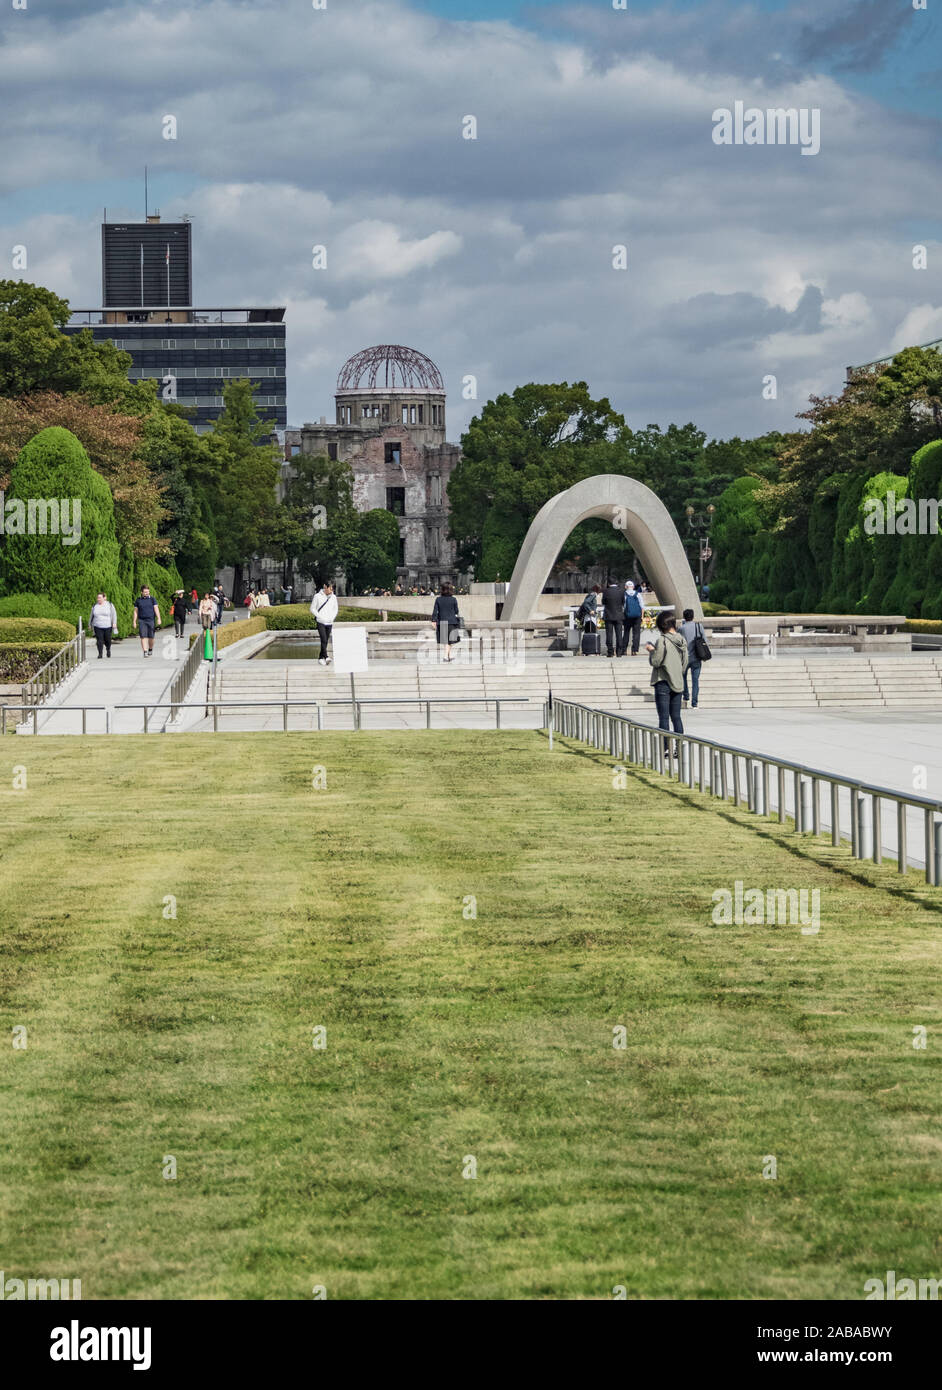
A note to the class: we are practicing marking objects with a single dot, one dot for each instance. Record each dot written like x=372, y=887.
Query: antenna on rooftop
x=145, y=192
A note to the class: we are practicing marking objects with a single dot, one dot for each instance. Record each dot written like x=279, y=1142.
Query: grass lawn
x=447, y=1038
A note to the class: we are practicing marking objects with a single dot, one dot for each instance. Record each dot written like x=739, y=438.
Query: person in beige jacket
x=669, y=659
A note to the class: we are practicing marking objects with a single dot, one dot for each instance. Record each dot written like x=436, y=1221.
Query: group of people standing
x=622, y=607
x=260, y=599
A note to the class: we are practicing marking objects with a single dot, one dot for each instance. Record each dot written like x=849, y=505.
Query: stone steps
x=814, y=682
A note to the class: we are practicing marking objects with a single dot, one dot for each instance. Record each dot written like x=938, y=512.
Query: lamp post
x=699, y=524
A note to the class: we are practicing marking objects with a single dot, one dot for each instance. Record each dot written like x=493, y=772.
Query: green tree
x=35, y=355
x=377, y=551
x=322, y=525
x=521, y=450
x=53, y=465
x=245, y=509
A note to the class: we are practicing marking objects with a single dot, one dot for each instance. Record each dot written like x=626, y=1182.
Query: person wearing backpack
x=634, y=609
x=693, y=635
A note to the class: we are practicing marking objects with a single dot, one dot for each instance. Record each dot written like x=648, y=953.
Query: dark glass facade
x=195, y=357
x=146, y=263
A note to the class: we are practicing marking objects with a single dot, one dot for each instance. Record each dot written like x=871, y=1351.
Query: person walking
x=179, y=609
x=207, y=611
x=219, y=599
x=324, y=607
x=146, y=619
x=613, y=609
x=634, y=611
x=103, y=623
x=263, y=601
x=690, y=631
x=446, y=619
x=668, y=657
x=194, y=599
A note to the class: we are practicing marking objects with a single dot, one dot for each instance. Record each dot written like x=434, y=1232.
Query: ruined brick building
x=389, y=426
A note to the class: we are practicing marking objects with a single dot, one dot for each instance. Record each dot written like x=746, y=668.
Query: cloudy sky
x=343, y=127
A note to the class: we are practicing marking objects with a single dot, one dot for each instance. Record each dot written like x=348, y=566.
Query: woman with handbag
x=698, y=652
x=446, y=619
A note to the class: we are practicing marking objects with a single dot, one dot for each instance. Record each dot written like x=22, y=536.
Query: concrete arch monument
x=630, y=506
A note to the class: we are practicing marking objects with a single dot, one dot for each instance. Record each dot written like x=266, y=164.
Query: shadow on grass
x=815, y=847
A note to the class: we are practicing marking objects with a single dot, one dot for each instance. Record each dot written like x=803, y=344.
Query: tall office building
x=146, y=263
x=147, y=311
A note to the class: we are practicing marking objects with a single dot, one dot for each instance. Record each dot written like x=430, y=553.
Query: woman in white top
x=104, y=623
x=324, y=607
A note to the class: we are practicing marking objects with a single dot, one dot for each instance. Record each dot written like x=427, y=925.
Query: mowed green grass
x=447, y=1038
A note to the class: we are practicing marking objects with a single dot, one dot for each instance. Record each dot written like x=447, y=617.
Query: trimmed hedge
x=24, y=631
x=929, y=625
x=291, y=617
x=28, y=606
x=230, y=633
x=19, y=661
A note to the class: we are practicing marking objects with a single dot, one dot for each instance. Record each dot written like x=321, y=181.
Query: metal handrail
x=177, y=707
x=51, y=675
x=184, y=678
x=719, y=773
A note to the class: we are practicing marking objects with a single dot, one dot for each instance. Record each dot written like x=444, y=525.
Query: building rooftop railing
x=86, y=318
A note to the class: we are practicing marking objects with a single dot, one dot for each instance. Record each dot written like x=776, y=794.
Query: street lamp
x=699, y=524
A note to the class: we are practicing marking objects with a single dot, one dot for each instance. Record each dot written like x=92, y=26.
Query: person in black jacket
x=445, y=617
x=613, y=609
x=179, y=608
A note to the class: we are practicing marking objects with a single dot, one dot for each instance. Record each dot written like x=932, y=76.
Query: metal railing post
x=861, y=809
x=901, y=861
x=835, y=814
x=875, y=817
x=806, y=822
x=930, y=866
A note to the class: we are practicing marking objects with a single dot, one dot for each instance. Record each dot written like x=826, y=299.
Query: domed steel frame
x=378, y=367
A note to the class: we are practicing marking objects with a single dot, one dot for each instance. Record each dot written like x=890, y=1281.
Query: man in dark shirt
x=146, y=620
x=613, y=607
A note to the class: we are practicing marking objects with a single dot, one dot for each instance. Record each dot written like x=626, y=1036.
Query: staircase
x=845, y=682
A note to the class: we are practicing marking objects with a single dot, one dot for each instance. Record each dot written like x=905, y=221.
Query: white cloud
x=921, y=325
x=847, y=311
x=343, y=127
